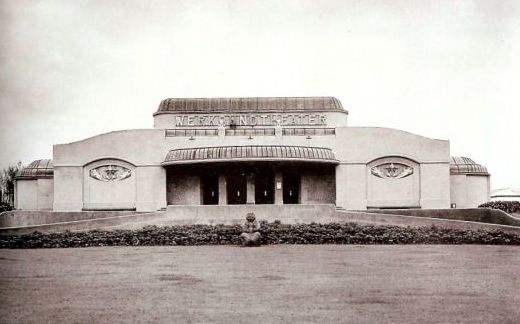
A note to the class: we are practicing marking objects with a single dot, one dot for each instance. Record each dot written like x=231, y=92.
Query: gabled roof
x=249, y=105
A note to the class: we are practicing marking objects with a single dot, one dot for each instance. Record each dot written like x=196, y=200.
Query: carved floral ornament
x=110, y=173
x=391, y=170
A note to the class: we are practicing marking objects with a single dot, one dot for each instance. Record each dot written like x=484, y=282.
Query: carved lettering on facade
x=110, y=173
x=251, y=120
x=392, y=170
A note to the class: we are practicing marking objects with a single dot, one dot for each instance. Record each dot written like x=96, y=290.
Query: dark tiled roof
x=249, y=105
x=464, y=165
x=37, y=169
x=250, y=152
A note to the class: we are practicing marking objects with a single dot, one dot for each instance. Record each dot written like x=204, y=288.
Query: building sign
x=251, y=120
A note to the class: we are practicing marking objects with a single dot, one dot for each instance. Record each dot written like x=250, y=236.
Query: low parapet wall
x=483, y=215
x=228, y=214
x=414, y=221
x=109, y=222
x=18, y=218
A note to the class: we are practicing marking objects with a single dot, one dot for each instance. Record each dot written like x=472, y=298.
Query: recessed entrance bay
x=237, y=183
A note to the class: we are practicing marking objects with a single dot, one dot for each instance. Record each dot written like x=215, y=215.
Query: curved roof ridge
x=466, y=165
x=249, y=105
x=249, y=152
x=43, y=168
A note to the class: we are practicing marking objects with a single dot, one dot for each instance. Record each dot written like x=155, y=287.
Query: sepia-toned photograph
x=258, y=161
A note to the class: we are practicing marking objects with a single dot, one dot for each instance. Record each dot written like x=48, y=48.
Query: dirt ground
x=271, y=284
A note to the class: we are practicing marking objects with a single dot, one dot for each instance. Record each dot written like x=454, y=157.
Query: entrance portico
x=247, y=175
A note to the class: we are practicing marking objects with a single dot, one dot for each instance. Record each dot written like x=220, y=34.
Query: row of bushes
x=506, y=206
x=273, y=233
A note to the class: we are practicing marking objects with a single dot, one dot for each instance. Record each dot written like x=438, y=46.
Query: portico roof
x=250, y=153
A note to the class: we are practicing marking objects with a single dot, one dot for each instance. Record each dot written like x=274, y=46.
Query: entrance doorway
x=291, y=188
x=264, y=187
x=209, y=187
x=236, y=188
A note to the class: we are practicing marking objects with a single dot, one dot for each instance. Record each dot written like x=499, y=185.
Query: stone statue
x=251, y=235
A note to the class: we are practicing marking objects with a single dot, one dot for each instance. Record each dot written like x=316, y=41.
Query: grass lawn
x=269, y=284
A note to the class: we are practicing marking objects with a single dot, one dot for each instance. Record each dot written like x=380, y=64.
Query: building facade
x=260, y=152
x=506, y=194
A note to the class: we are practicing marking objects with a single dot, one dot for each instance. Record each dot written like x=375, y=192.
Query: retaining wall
x=484, y=215
x=17, y=218
x=188, y=215
x=413, y=221
x=222, y=214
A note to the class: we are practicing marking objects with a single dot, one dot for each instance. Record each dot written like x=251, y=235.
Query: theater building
x=207, y=157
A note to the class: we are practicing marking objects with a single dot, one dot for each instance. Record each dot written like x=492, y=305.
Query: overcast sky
x=442, y=69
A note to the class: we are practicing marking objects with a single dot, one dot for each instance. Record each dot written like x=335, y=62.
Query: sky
x=442, y=69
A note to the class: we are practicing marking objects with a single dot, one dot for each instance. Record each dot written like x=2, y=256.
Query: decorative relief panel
x=110, y=173
x=392, y=170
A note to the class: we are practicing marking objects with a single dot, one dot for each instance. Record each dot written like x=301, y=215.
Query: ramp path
x=134, y=220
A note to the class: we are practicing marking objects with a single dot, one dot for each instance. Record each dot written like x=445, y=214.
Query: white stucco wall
x=151, y=188
x=142, y=151
x=469, y=191
x=458, y=190
x=45, y=194
x=34, y=194
x=68, y=187
x=105, y=195
x=435, y=185
x=478, y=189
x=357, y=147
x=354, y=147
x=27, y=194
x=393, y=192
x=146, y=150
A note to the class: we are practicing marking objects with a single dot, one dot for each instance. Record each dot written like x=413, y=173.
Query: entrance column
x=250, y=188
x=222, y=190
x=278, y=185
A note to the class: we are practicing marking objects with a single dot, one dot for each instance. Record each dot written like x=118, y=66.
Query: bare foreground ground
x=270, y=284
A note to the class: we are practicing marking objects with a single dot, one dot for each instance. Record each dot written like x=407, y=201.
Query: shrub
x=506, y=206
x=272, y=233
x=5, y=207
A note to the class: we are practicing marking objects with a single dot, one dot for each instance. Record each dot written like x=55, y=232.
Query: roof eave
x=233, y=160
x=277, y=111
